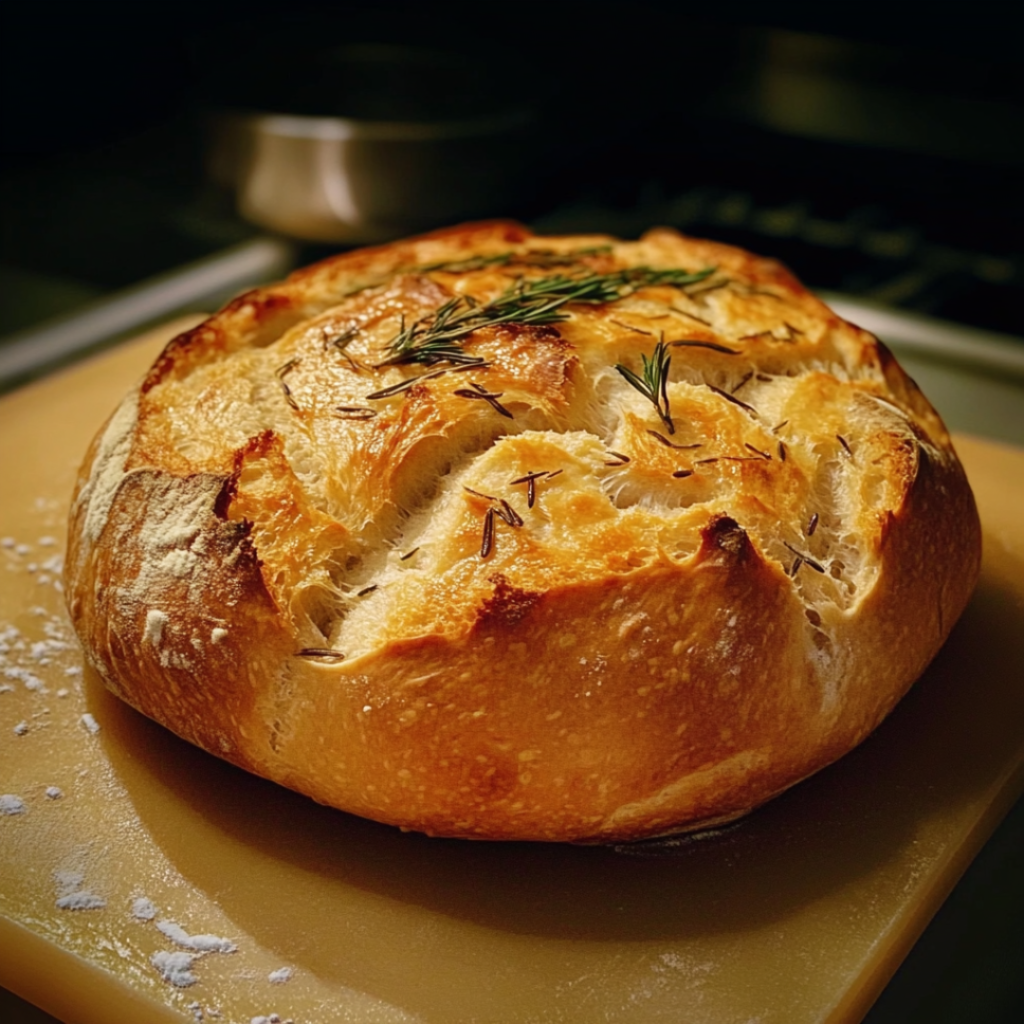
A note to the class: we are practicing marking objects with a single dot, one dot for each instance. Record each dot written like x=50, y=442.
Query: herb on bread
x=438, y=337
x=653, y=383
x=479, y=392
x=696, y=343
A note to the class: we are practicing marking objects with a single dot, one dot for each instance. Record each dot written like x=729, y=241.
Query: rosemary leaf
x=438, y=336
x=536, y=258
x=653, y=383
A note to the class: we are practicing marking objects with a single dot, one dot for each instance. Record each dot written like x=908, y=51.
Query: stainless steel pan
x=379, y=141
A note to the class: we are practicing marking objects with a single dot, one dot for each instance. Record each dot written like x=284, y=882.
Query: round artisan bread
x=493, y=535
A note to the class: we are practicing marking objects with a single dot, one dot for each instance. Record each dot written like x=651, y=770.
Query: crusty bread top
x=279, y=490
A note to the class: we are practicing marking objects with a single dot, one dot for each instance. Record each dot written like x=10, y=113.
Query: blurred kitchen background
x=878, y=150
x=160, y=158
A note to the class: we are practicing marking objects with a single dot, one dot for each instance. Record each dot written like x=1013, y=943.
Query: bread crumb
x=21, y=728
x=280, y=976
x=218, y=634
x=54, y=792
x=90, y=723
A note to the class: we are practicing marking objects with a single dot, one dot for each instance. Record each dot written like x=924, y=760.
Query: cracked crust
x=663, y=630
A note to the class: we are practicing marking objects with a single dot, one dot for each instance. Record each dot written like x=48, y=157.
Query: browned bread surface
x=519, y=598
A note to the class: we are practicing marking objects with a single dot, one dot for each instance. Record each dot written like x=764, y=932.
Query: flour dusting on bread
x=97, y=494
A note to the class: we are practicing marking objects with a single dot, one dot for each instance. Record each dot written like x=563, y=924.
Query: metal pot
x=413, y=145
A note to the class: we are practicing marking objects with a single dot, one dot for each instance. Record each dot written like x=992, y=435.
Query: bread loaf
x=499, y=536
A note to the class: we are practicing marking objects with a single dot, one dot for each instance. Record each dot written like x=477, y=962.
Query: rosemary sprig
x=327, y=654
x=731, y=398
x=653, y=384
x=662, y=439
x=491, y=397
x=499, y=509
x=536, y=258
x=353, y=412
x=697, y=343
x=409, y=382
x=530, y=479
x=464, y=266
x=804, y=559
x=438, y=336
x=281, y=372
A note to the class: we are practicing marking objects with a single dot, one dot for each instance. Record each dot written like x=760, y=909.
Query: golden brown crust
x=517, y=599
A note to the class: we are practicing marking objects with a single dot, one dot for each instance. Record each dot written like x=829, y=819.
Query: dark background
x=878, y=149
x=900, y=182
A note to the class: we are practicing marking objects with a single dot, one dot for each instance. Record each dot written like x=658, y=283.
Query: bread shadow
x=281, y=865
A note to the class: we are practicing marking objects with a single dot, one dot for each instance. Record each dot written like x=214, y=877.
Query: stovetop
x=81, y=229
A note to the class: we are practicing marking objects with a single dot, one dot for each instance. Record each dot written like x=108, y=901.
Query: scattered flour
x=280, y=976
x=155, y=622
x=198, y=943
x=20, y=656
x=43, y=650
x=175, y=967
x=11, y=804
x=143, y=909
x=71, y=895
x=46, y=571
x=82, y=900
x=23, y=675
x=90, y=723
